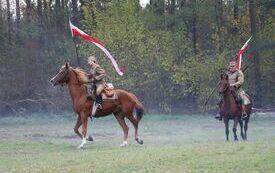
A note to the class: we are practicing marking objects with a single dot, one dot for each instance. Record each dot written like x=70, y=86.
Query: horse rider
x=96, y=79
x=236, y=79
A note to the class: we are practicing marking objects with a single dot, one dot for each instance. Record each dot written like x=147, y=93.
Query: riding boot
x=244, y=114
x=99, y=101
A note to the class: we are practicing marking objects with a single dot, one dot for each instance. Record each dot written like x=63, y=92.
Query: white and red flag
x=240, y=54
x=76, y=32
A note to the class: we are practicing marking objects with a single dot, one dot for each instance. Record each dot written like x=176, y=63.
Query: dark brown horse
x=230, y=109
x=122, y=107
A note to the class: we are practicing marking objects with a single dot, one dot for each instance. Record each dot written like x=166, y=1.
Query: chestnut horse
x=230, y=109
x=122, y=107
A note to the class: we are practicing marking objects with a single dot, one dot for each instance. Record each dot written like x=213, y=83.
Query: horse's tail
x=139, y=108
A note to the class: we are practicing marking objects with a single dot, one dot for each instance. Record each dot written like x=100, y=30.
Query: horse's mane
x=81, y=75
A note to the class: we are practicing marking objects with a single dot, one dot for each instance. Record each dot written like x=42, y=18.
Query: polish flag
x=240, y=54
x=76, y=32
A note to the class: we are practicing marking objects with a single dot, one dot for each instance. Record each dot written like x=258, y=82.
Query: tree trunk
x=219, y=19
x=75, y=12
x=194, y=26
x=45, y=14
x=17, y=12
x=28, y=10
x=236, y=9
x=256, y=62
x=9, y=20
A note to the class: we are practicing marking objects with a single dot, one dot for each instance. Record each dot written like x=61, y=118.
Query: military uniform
x=96, y=78
x=236, y=80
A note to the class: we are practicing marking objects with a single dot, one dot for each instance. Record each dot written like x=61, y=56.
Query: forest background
x=172, y=51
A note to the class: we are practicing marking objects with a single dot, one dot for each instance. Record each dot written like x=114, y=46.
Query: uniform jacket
x=97, y=74
x=236, y=78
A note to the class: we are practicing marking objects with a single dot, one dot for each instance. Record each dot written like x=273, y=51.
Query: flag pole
x=74, y=39
x=76, y=51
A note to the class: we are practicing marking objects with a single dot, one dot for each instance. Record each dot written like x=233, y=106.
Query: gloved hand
x=91, y=80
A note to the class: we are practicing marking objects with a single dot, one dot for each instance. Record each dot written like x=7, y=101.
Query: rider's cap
x=92, y=58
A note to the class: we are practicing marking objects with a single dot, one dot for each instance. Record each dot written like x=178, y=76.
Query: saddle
x=108, y=94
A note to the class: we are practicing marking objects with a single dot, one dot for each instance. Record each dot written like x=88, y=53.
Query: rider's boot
x=99, y=101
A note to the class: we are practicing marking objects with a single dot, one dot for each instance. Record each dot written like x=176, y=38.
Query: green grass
x=172, y=144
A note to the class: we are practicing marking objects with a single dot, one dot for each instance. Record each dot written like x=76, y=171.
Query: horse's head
x=62, y=76
x=223, y=84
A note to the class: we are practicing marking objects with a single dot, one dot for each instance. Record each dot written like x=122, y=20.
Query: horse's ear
x=67, y=65
x=226, y=77
x=221, y=75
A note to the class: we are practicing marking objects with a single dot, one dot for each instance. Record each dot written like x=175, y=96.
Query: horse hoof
x=124, y=144
x=90, y=138
x=140, y=141
x=80, y=147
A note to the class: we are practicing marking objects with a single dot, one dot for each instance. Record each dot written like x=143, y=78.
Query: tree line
x=172, y=51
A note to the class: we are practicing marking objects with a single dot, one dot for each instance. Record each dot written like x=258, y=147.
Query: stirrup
x=99, y=107
x=244, y=116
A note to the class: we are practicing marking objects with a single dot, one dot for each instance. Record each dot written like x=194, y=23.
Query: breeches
x=99, y=89
x=239, y=97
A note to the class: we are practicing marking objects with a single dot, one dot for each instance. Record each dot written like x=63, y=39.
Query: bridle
x=225, y=90
x=65, y=79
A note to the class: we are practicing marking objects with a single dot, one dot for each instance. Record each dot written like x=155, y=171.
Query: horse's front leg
x=90, y=138
x=226, y=120
x=241, y=127
x=234, y=129
x=77, y=125
x=84, y=120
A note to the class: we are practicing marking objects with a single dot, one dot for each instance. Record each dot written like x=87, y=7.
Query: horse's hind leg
x=246, y=127
x=135, y=124
x=241, y=127
x=121, y=120
x=234, y=129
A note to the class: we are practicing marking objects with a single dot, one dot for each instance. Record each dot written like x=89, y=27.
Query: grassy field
x=171, y=144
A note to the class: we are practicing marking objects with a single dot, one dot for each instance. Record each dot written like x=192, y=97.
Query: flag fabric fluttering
x=76, y=32
x=240, y=53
